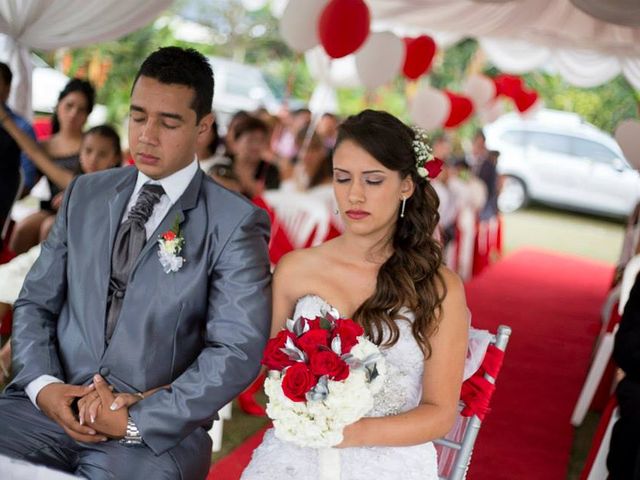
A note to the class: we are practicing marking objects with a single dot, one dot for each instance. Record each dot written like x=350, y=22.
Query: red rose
x=434, y=167
x=310, y=341
x=169, y=235
x=297, y=381
x=274, y=358
x=349, y=332
x=326, y=362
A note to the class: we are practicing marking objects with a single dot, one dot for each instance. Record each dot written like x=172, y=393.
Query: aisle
x=552, y=303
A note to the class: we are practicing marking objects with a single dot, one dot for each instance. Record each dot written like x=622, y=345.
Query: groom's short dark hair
x=175, y=65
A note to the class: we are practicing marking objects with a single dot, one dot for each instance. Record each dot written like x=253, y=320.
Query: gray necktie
x=128, y=244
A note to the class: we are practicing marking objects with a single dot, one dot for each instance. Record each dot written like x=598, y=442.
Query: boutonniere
x=171, y=243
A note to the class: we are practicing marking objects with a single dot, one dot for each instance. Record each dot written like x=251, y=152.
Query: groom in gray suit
x=153, y=276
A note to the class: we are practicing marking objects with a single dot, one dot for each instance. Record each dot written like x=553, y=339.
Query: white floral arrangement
x=428, y=166
x=170, y=246
x=324, y=374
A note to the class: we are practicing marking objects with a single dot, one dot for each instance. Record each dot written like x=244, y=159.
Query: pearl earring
x=404, y=201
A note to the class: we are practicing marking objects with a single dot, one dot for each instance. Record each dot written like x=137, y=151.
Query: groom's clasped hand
x=98, y=413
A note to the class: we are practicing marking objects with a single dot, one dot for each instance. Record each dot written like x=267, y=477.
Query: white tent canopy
x=47, y=25
x=522, y=35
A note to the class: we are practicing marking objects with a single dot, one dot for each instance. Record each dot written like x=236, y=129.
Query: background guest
x=75, y=103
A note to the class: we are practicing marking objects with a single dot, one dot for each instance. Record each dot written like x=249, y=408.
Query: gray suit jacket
x=201, y=329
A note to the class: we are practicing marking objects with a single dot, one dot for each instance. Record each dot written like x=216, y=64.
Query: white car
x=239, y=87
x=557, y=158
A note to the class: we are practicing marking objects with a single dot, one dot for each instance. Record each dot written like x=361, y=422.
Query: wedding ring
x=139, y=394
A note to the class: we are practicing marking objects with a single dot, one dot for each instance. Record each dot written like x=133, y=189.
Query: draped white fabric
x=47, y=25
x=523, y=35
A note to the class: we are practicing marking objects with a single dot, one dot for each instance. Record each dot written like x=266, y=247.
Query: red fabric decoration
x=508, y=85
x=477, y=391
x=461, y=109
x=525, y=99
x=280, y=244
x=333, y=232
x=419, y=53
x=343, y=27
x=247, y=400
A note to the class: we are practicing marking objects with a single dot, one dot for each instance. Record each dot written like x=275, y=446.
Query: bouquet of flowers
x=323, y=375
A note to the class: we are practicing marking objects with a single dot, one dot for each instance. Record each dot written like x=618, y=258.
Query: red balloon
x=419, y=54
x=343, y=27
x=461, y=109
x=508, y=85
x=525, y=99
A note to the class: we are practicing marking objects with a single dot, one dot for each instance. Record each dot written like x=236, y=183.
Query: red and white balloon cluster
x=431, y=108
x=342, y=27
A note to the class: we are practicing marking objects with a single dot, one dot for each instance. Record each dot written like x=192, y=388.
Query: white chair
x=216, y=430
x=599, y=468
x=594, y=377
x=460, y=441
x=301, y=215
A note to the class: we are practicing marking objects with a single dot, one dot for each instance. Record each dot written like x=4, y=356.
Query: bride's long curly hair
x=411, y=276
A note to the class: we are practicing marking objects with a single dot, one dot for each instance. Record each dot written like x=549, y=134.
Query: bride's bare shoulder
x=299, y=265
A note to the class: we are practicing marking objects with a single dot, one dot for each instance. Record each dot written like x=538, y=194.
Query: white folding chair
x=599, y=468
x=216, y=429
x=594, y=377
x=460, y=441
x=301, y=215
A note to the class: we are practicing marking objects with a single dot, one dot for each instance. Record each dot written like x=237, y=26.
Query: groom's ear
x=204, y=125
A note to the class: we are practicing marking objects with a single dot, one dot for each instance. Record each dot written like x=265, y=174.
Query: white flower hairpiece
x=422, y=151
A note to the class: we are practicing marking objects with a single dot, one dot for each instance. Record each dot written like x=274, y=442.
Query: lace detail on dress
x=402, y=391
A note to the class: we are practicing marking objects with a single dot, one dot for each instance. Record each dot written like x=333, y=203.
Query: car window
x=513, y=137
x=593, y=150
x=549, y=142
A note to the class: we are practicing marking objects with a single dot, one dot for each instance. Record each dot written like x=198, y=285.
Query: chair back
x=455, y=449
x=304, y=218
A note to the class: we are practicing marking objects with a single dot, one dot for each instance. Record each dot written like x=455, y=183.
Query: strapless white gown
x=402, y=391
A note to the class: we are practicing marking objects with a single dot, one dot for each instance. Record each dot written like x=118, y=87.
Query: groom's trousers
x=29, y=435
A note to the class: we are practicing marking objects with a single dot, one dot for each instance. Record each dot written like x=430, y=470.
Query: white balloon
x=628, y=137
x=380, y=59
x=253, y=5
x=429, y=108
x=480, y=89
x=299, y=24
x=339, y=73
x=491, y=111
x=277, y=7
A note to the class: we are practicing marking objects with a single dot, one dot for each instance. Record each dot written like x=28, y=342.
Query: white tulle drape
x=523, y=35
x=47, y=25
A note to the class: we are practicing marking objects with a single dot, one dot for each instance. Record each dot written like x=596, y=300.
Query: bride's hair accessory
x=428, y=166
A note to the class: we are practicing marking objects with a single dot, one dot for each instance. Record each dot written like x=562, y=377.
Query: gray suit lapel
x=186, y=202
x=118, y=198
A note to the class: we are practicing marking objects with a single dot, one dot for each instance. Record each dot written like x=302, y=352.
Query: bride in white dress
x=386, y=273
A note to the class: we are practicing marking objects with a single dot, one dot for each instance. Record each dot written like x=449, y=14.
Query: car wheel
x=513, y=195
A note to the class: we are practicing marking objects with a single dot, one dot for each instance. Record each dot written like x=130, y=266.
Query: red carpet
x=231, y=466
x=552, y=303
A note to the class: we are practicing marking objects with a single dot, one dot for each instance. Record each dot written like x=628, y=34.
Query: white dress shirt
x=174, y=186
